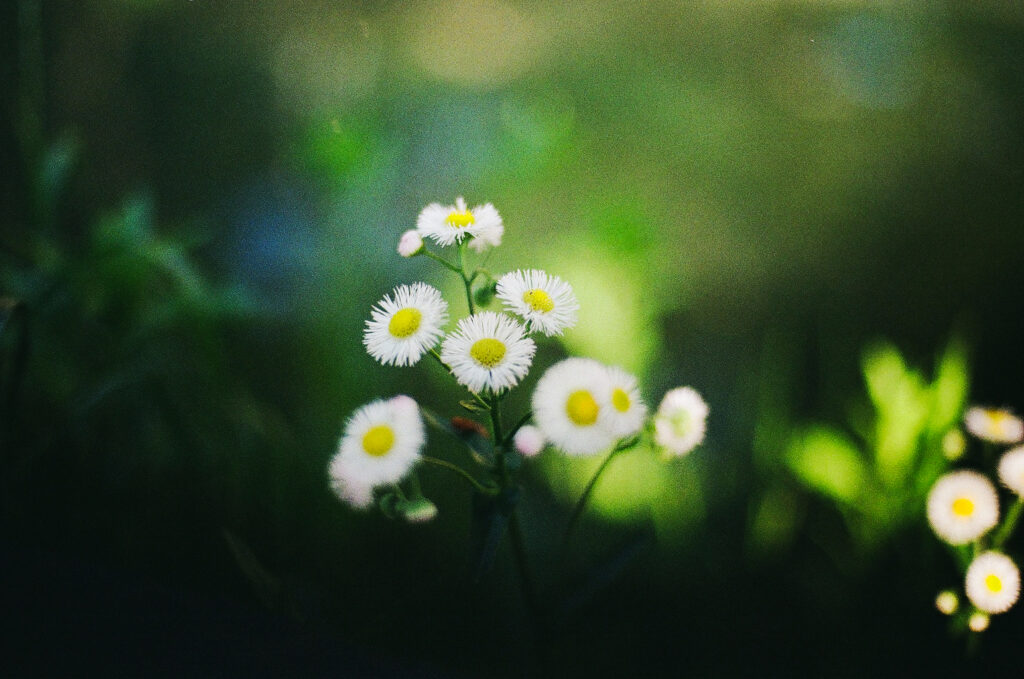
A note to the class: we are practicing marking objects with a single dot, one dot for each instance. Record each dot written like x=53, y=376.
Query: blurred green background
x=201, y=201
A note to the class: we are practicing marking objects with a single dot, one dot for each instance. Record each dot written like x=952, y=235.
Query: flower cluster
x=963, y=509
x=579, y=405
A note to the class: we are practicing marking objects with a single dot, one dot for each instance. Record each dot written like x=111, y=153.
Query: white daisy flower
x=529, y=440
x=406, y=324
x=947, y=602
x=410, y=244
x=628, y=412
x=381, y=443
x=978, y=622
x=995, y=425
x=962, y=506
x=546, y=303
x=992, y=582
x=681, y=421
x=448, y=224
x=1011, y=470
x=491, y=231
x=571, y=406
x=488, y=351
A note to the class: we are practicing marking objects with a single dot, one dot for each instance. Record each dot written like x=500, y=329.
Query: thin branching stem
x=581, y=504
x=487, y=490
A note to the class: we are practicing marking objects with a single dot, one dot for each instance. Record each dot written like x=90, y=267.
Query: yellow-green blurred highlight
x=638, y=484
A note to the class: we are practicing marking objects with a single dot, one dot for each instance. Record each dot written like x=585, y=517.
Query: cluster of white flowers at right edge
x=962, y=508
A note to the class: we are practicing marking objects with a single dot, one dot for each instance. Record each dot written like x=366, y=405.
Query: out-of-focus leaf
x=14, y=348
x=826, y=461
x=949, y=389
x=489, y=521
x=56, y=167
x=773, y=522
x=902, y=403
x=266, y=584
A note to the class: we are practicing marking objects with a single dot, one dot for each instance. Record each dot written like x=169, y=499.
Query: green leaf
x=267, y=585
x=826, y=461
x=902, y=403
x=949, y=389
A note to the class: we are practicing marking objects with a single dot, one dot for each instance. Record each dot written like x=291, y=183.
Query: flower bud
x=410, y=244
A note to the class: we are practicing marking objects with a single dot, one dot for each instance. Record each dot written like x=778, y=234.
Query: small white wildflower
x=529, y=440
x=953, y=444
x=628, y=412
x=962, y=506
x=406, y=324
x=488, y=351
x=978, y=622
x=996, y=425
x=681, y=421
x=410, y=244
x=992, y=582
x=448, y=224
x=380, y=444
x=947, y=602
x=571, y=406
x=546, y=303
x=1011, y=470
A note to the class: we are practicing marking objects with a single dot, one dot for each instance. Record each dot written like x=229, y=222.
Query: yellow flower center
x=582, y=408
x=378, y=440
x=539, y=300
x=488, y=352
x=620, y=399
x=460, y=219
x=993, y=583
x=963, y=506
x=405, y=322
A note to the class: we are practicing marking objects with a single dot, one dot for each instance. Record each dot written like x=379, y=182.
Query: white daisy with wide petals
x=1011, y=470
x=962, y=506
x=546, y=303
x=448, y=224
x=488, y=351
x=381, y=443
x=406, y=324
x=571, y=406
x=992, y=582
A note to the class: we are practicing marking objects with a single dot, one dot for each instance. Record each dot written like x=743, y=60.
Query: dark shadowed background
x=200, y=201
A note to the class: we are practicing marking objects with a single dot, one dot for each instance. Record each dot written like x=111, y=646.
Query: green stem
x=525, y=578
x=442, y=261
x=486, y=490
x=1009, y=523
x=465, y=280
x=581, y=504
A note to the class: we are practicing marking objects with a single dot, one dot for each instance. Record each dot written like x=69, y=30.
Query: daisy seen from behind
x=405, y=324
x=681, y=421
x=380, y=445
x=488, y=351
x=995, y=425
x=449, y=224
x=962, y=506
x=992, y=582
x=571, y=406
x=546, y=303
